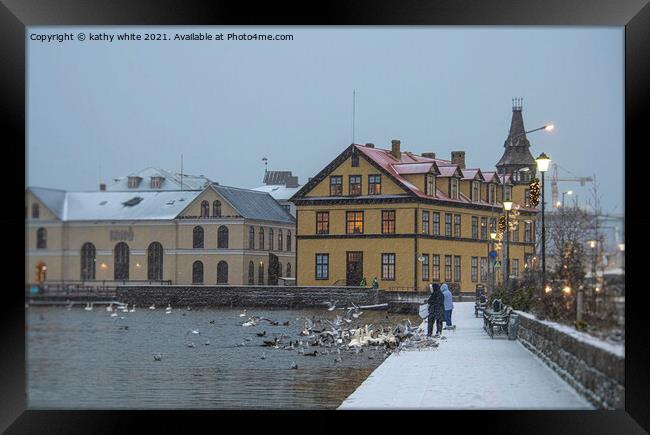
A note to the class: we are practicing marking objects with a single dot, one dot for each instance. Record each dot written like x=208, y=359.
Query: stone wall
x=597, y=374
x=248, y=296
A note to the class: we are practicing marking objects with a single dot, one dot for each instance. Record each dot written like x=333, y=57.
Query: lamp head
x=507, y=205
x=549, y=127
x=542, y=162
x=493, y=235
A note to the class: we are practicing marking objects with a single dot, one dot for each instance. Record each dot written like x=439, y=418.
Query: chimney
x=370, y=145
x=429, y=155
x=458, y=158
x=102, y=187
x=395, y=149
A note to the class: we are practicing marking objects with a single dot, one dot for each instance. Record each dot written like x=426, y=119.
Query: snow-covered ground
x=467, y=371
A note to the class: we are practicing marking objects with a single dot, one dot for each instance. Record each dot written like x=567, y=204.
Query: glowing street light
x=543, y=161
x=507, y=206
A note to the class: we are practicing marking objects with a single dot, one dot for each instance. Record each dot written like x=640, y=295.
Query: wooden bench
x=480, y=305
x=496, y=321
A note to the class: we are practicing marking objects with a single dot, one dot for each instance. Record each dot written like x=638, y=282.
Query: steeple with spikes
x=517, y=147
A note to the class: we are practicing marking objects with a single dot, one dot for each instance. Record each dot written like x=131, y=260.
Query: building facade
x=216, y=235
x=407, y=220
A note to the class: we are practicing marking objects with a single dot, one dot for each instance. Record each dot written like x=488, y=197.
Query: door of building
x=354, y=267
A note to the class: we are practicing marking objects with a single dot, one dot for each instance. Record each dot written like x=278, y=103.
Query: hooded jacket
x=448, y=300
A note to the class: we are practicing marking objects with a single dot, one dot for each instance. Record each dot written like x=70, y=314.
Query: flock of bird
x=318, y=336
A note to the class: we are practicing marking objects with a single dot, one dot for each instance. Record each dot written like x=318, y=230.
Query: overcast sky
x=100, y=110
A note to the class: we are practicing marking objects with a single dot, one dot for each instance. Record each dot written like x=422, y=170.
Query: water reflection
x=87, y=359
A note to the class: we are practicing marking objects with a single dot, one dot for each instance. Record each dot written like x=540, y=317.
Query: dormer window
x=508, y=193
x=134, y=182
x=453, y=189
x=492, y=193
x=156, y=182
x=475, y=191
x=431, y=185
x=36, y=211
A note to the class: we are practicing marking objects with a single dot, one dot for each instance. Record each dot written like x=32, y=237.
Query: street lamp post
x=507, y=206
x=569, y=192
x=543, y=161
x=493, y=236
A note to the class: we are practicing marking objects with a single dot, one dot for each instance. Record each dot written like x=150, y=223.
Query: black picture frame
x=16, y=15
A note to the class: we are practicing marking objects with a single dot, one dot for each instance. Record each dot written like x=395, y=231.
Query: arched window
x=280, y=240
x=36, y=211
x=260, y=274
x=251, y=238
x=251, y=273
x=288, y=270
x=197, y=273
x=41, y=238
x=197, y=237
x=216, y=209
x=289, y=240
x=205, y=209
x=121, y=259
x=270, y=239
x=261, y=238
x=222, y=237
x=222, y=272
x=155, y=261
x=87, y=261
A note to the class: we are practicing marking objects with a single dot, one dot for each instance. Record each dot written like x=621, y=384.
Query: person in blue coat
x=449, y=305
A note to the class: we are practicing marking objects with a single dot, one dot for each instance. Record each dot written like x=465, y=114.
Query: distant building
x=281, y=185
x=155, y=179
x=144, y=228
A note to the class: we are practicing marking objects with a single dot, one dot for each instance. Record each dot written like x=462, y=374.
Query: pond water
x=79, y=359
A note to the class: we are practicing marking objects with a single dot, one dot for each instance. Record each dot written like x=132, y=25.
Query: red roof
x=414, y=164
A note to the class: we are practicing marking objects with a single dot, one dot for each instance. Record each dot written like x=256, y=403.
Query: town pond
x=78, y=359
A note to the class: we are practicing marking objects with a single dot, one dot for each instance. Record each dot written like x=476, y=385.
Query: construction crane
x=554, y=179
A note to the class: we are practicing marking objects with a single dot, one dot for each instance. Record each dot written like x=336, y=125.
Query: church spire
x=517, y=147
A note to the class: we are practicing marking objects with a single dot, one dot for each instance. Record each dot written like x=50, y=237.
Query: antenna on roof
x=354, y=98
x=181, y=171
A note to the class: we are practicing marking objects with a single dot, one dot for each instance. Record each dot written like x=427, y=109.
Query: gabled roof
x=152, y=205
x=473, y=174
x=416, y=168
x=491, y=177
x=450, y=171
x=54, y=199
x=395, y=169
x=252, y=204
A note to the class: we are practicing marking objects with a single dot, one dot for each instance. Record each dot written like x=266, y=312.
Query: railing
x=72, y=291
x=105, y=282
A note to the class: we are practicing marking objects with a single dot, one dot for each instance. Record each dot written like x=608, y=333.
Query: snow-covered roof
x=278, y=191
x=152, y=205
x=83, y=206
x=171, y=181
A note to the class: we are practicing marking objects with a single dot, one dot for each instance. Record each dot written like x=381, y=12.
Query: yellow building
x=410, y=219
x=215, y=235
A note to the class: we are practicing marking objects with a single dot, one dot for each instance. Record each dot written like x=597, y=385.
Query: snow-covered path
x=467, y=371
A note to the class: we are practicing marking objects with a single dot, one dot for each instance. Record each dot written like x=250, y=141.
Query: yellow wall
x=62, y=255
x=388, y=187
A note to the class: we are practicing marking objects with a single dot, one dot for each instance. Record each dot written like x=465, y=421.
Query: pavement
x=468, y=370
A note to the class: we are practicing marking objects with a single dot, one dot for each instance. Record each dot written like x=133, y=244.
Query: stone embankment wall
x=246, y=296
x=596, y=373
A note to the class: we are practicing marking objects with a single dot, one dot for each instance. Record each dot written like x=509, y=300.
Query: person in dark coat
x=436, y=310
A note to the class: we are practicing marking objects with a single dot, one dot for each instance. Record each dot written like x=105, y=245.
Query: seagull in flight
x=331, y=306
